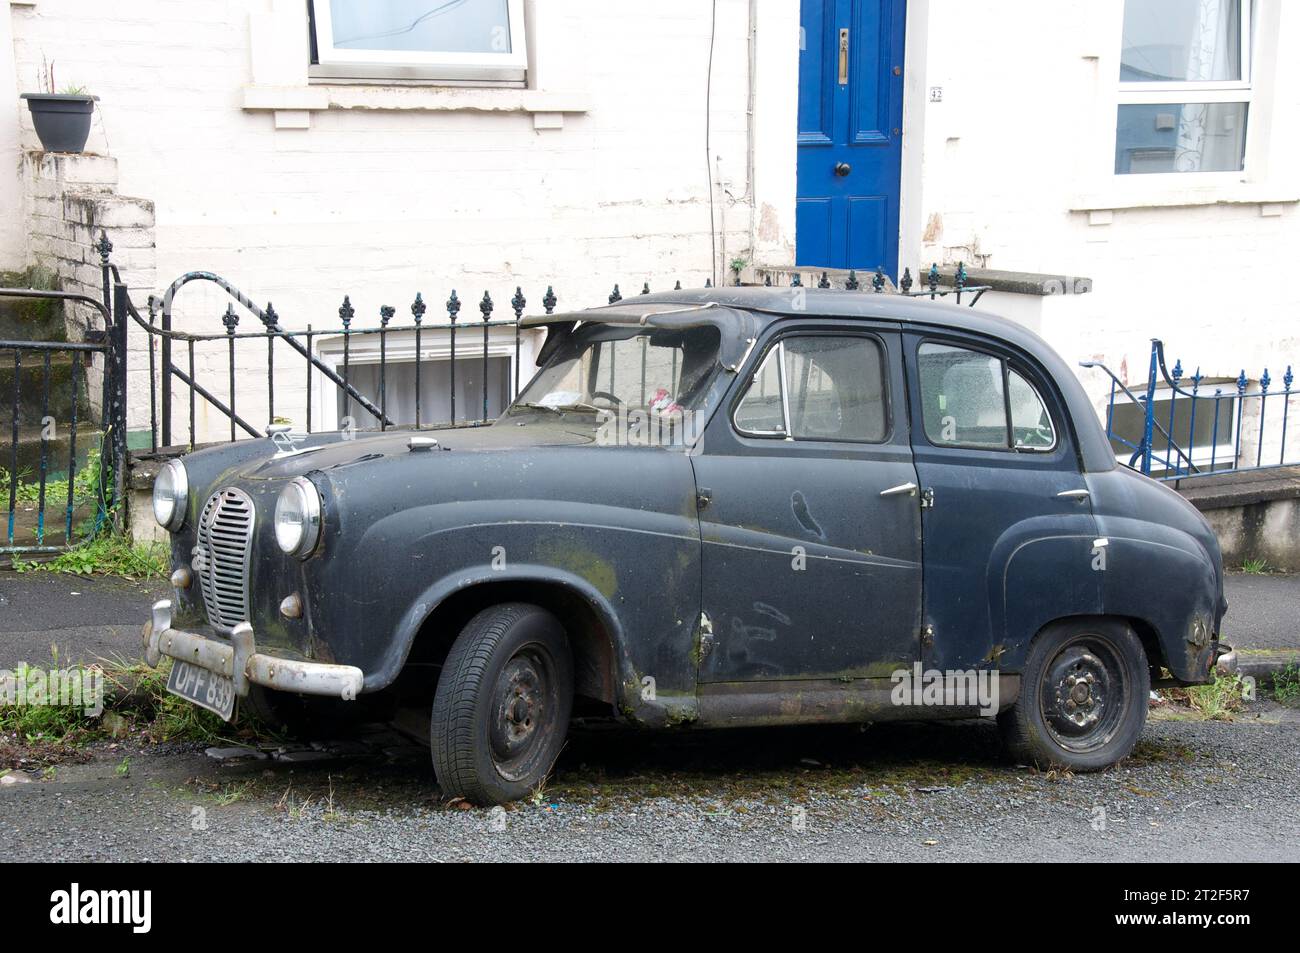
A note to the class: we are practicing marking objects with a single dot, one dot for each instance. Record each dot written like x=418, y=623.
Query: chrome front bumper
x=240, y=661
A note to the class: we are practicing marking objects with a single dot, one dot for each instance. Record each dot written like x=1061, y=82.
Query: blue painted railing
x=1161, y=449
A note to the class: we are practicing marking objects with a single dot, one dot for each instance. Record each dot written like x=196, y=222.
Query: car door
x=1004, y=500
x=811, y=541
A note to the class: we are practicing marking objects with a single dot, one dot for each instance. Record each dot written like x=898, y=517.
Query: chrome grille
x=225, y=544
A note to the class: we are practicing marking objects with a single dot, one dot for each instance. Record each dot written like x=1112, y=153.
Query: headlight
x=171, y=495
x=297, y=518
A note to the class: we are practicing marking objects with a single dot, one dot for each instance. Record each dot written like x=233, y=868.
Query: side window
x=762, y=411
x=1031, y=424
x=973, y=399
x=819, y=387
x=962, y=397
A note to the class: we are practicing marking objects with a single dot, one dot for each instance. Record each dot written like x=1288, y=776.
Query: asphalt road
x=1263, y=611
x=85, y=617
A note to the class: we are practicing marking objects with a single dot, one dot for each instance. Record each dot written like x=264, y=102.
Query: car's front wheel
x=501, y=711
x=1083, y=696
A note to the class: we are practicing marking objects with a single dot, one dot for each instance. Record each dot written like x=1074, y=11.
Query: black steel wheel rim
x=525, y=702
x=1083, y=694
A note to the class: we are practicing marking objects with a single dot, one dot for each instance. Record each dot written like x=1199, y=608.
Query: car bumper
x=1225, y=660
x=239, y=660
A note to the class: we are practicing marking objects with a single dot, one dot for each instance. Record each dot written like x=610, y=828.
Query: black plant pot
x=62, y=120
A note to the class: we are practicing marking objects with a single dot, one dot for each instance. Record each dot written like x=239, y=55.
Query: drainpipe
x=749, y=129
x=724, y=265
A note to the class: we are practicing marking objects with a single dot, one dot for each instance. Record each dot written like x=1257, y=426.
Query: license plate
x=206, y=689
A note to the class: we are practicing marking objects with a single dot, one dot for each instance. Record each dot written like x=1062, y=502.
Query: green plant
x=107, y=555
x=1254, y=566
x=135, y=698
x=46, y=84
x=86, y=485
x=1286, y=685
x=738, y=265
x=40, y=724
x=1219, y=699
x=123, y=770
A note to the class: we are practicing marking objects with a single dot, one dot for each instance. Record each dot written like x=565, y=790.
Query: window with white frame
x=457, y=41
x=394, y=387
x=1185, y=86
x=1208, y=439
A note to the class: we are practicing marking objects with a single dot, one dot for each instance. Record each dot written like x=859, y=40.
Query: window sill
x=1167, y=195
x=293, y=105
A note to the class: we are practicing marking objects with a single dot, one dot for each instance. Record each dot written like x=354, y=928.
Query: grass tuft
x=1286, y=685
x=1220, y=700
x=137, y=706
x=107, y=555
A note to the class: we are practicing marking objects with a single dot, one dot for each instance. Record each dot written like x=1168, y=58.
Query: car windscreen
x=634, y=373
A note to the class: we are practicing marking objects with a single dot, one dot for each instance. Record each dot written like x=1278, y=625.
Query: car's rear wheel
x=1083, y=696
x=501, y=710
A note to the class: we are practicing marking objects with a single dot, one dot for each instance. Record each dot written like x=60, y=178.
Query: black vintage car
x=718, y=508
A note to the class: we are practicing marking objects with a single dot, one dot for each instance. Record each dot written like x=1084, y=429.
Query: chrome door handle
x=903, y=489
x=1073, y=495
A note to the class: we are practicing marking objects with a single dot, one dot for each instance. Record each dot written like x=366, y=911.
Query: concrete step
x=29, y=319
x=31, y=390
x=56, y=450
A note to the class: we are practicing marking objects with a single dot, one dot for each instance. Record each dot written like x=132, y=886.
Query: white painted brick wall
x=382, y=203
x=69, y=201
x=1029, y=93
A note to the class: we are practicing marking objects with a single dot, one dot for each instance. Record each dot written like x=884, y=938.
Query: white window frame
x=1177, y=93
x=497, y=69
x=399, y=348
x=1224, y=451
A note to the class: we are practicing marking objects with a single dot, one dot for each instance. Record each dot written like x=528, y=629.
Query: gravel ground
x=1194, y=790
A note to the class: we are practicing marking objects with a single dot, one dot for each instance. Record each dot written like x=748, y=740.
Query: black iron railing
x=38, y=489
x=164, y=340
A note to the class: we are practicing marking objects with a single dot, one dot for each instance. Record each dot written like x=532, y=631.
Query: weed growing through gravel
x=1217, y=701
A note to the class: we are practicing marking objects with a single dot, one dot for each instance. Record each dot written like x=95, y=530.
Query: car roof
x=768, y=305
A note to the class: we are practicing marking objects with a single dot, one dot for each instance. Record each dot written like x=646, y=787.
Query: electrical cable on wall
x=708, y=149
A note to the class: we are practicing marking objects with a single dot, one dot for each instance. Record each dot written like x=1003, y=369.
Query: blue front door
x=850, y=134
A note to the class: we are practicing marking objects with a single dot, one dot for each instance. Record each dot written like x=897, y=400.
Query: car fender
x=1035, y=578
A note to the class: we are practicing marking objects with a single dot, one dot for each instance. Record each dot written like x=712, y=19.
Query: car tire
x=1083, y=697
x=502, y=705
